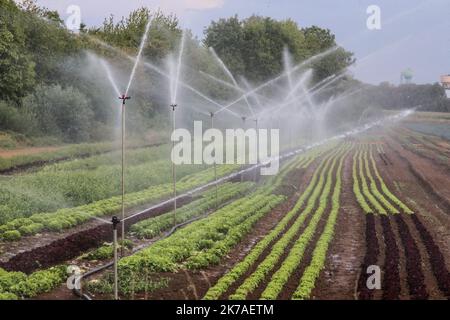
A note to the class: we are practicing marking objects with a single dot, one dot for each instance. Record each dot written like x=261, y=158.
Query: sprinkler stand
x=115, y=221
x=124, y=98
x=174, y=172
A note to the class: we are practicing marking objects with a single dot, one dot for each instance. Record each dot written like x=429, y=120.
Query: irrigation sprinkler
x=124, y=98
x=174, y=172
x=115, y=221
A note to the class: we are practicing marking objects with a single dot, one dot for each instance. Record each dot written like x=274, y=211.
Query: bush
x=11, y=118
x=11, y=235
x=61, y=112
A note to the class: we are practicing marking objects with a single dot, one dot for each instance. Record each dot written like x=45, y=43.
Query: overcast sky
x=414, y=33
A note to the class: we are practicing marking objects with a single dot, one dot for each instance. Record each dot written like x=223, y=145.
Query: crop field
x=309, y=232
x=218, y=153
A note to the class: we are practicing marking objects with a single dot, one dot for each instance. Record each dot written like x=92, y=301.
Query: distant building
x=406, y=76
x=445, y=81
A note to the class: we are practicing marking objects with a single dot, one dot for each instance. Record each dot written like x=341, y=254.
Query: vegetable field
x=313, y=231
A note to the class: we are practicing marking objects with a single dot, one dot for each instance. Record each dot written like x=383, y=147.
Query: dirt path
x=25, y=151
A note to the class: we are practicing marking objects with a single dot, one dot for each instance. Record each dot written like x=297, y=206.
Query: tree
x=17, y=76
x=319, y=40
x=253, y=47
x=127, y=33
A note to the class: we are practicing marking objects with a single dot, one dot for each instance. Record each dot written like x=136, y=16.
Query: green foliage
x=11, y=235
x=376, y=198
x=17, y=74
x=253, y=47
x=69, y=217
x=84, y=181
x=17, y=284
x=311, y=193
x=14, y=119
x=224, y=228
x=295, y=256
x=365, y=188
x=386, y=190
x=153, y=227
x=61, y=112
x=374, y=189
x=356, y=187
x=430, y=97
x=8, y=296
x=69, y=152
x=106, y=251
x=312, y=272
x=164, y=32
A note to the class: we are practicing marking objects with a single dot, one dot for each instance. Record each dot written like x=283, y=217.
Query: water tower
x=445, y=81
x=406, y=76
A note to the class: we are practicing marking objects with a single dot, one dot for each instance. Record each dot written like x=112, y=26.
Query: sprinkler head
x=173, y=105
x=244, y=118
x=124, y=98
x=211, y=114
x=115, y=221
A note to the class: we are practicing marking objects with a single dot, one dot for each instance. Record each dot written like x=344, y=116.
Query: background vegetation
x=49, y=88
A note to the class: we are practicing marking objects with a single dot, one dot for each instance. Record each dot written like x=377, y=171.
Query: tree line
x=49, y=85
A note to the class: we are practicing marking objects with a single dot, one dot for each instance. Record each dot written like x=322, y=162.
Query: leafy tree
x=17, y=76
x=319, y=40
x=127, y=33
x=253, y=47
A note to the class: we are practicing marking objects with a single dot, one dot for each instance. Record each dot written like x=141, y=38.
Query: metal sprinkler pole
x=115, y=221
x=215, y=167
x=124, y=98
x=174, y=173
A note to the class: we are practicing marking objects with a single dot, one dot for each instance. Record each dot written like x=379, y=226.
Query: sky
x=413, y=33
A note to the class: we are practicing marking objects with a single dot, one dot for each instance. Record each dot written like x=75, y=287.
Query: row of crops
x=81, y=182
x=283, y=249
x=427, y=146
x=237, y=215
x=15, y=285
x=369, y=188
x=67, y=218
x=204, y=242
x=390, y=233
x=61, y=153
